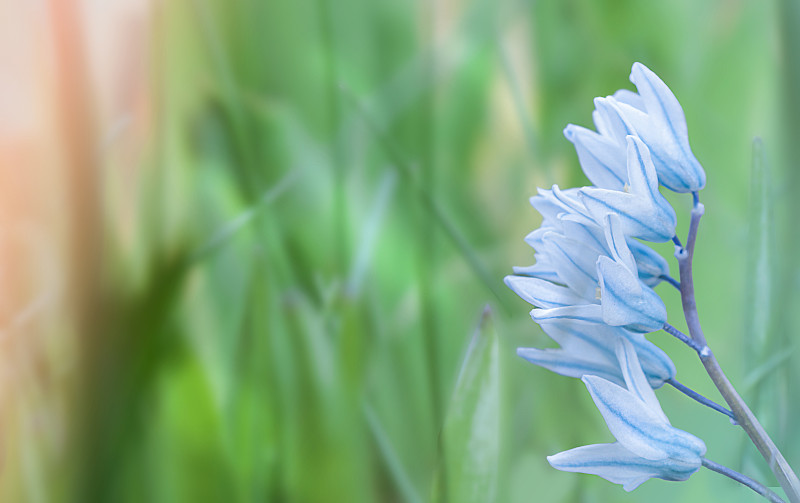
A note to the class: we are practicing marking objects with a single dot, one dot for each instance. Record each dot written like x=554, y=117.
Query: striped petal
x=541, y=293
x=613, y=462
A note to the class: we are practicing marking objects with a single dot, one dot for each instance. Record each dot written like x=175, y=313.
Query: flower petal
x=601, y=159
x=651, y=266
x=656, y=363
x=629, y=419
x=659, y=101
x=538, y=270
x=574, y=262
x=613, y=462
x=629, y=98
x=597, y=342
x=642, y=431
x=616, y=243
x=634, y=377
x=541, y=293
x=626, y=301
x=661, y=124
x=569, y=364
x=589, y=234
x=592, y=313
x=644, y=179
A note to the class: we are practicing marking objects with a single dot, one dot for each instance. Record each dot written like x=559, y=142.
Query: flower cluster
x=592, y=283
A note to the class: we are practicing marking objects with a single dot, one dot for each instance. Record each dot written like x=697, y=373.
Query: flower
x=653, y=115
x=659, y=121
x=643, y=210
x=563, y=212
x=647, y=445
x=589, y=349
x=593, y=282
x=602, y=153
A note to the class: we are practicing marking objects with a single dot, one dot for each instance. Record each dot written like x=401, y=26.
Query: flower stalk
x=742, y=413
x=744, y=480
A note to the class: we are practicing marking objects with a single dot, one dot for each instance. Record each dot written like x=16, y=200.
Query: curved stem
x=744, y=416
x=672, y=281
x=700, y=398
x=743, y=479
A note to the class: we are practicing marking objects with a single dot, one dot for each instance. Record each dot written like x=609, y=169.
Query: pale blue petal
x=635, y=213
x=644, y=212
x=601, y=127
x=534, y=238
x=597, y=342
x=587, y=341
x=659, y=101
x=626, y=301
x=575, y=263
x=635, y=380
x=631, y=421
x=587, y=233
x=551, y=203
x=644, y=179
x=675, y=170
x=641, y=430
x=651, y=266
x=568, y=364
x=617, y=245
x=613, y=462
x=618, y=127
x=541, y=293
x=602, y=160
x=630, y=98
x=661, y=124
x=546, y=205
x=538, y=270
x=592, y=313
x=656, y=364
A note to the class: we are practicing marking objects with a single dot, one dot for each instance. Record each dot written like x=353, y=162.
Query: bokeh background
x=253, y=251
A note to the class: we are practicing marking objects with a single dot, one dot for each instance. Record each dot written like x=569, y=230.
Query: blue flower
x=583, y=278
x=651, y=266
x=659, y=121
x=602, y=154
x=644, y=212
x=647, y=445
x=563, y=212
x=589, y=349
x=653, y=115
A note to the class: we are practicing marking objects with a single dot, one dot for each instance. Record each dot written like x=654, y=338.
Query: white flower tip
x=639, y=69
x=590, y=380
x=600, y=101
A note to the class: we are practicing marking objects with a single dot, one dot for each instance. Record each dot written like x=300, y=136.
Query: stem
x=682, y=337
x=699, y=398
x=743, y=479
x=744, y=416
x=672, y=281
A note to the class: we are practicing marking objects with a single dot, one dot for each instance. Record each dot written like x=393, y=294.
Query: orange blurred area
x=75, y=108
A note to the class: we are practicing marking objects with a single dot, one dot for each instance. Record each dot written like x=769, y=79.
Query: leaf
x=472, y=425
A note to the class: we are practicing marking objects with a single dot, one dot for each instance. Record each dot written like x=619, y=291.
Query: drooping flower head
x=590, y=349
x=653, y=115
x=647, y=445
x=589, y=283
x=592, y=283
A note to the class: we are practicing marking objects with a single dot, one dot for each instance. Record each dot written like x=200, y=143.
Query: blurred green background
x=283, y=228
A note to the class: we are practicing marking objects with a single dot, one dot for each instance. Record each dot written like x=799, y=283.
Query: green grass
x=332, y=194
